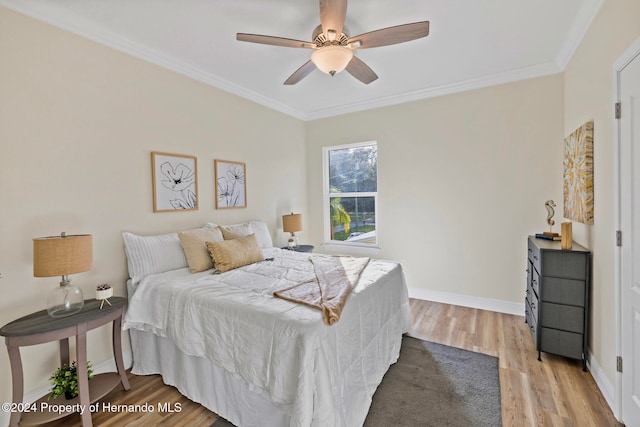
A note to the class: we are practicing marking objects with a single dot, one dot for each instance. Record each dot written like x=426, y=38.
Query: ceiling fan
x=333, y=48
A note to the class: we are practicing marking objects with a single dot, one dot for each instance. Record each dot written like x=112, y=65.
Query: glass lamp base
x=293, y=241
x=65, y=300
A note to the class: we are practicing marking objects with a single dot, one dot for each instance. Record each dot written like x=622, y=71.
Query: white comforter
x=320, y=375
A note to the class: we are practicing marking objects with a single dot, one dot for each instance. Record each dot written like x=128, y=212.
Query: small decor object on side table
x=104, y=292
x=65, y=381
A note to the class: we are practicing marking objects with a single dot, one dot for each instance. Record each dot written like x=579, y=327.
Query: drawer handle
x=533, y=305
x=535, y=257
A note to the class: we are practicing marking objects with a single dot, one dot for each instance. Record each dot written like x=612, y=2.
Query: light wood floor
x=554, y=392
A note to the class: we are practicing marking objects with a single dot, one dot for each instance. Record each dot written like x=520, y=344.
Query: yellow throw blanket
x=335, y=278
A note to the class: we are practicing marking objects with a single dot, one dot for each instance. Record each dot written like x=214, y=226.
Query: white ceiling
x=471, y=44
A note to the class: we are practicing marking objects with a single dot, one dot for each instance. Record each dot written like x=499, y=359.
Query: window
x=351, y=192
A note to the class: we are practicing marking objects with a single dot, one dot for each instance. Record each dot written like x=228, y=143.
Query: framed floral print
x=231, y=184
x=175, y=182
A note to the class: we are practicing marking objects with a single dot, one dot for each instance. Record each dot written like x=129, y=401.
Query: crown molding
x=584, y=18
x=445, y=89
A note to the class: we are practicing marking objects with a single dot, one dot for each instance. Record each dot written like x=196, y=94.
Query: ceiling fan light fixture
x=331, y=59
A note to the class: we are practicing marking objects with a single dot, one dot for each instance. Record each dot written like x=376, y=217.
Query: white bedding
x=319, y=375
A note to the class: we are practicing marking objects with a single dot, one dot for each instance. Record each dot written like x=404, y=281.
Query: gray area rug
x=435, y=385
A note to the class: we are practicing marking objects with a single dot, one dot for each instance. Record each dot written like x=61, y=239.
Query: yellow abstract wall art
x=578, y=175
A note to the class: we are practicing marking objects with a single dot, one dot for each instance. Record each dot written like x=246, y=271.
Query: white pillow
x=262, y=233
x=152, y=254
x=259, y=228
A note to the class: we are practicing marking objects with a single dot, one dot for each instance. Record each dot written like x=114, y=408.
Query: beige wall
x=588, y=95
x=77, y=124
x=462, y=181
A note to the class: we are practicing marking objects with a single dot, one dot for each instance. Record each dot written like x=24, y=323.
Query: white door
x=629, y=84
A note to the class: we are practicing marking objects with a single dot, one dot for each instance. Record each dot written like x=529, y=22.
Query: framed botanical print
x=231, y=184
x=175, y=182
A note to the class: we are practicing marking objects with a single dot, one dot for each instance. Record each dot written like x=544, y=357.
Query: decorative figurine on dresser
x=557, y=298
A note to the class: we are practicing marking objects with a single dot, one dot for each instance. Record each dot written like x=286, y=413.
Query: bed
x=224, y=341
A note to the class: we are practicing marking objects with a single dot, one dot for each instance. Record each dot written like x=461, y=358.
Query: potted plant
x=103, y=293
x=65, y=381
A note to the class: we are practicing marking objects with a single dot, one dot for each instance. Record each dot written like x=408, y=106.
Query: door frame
x=625, y=59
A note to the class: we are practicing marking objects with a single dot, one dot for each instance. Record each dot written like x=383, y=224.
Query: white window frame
x=326, y=196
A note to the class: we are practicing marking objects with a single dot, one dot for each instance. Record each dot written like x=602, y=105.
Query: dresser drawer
x=528, y=297
x=533, y=302
x=534, y=254
x=562, y=343
x=531, y=322
x=563, y=291
x=535, y=282
x=571, y=265
x=532, y=306
x=565, y=317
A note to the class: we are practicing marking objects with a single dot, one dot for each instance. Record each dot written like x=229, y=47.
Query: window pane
x=353, y=170
x=353, y=219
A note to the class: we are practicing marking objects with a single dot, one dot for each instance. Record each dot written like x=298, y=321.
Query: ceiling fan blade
x=361, y=71
x=274, y=41
x=300, y=73
x=390, y=35
x=332, y=16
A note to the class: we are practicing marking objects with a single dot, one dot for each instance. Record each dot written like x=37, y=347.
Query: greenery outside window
x=351, y=192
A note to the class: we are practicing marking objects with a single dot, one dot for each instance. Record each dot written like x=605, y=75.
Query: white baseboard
x=603, y=383
x=108, y=365
x=499, y=306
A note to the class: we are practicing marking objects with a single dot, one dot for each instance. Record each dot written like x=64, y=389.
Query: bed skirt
x=203, y=382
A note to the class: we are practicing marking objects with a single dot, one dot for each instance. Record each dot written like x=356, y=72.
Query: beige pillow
x=230, y=254
x=234, y=231
x=195, y=247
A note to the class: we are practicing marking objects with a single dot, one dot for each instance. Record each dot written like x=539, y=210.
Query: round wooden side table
x=38, y=328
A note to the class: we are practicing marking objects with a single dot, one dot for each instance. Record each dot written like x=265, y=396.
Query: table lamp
x=290, y=224
x=60, y=256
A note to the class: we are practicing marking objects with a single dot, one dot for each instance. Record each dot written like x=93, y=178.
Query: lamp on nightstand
x=60, y=256
x=290, y=224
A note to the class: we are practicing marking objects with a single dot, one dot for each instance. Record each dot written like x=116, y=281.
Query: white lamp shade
x=331, y=59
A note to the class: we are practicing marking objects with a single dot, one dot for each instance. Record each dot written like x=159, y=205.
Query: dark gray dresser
x=557, y=298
